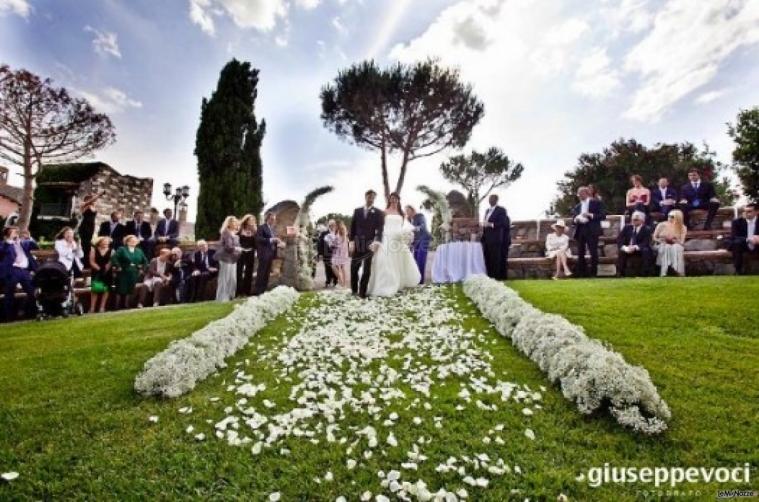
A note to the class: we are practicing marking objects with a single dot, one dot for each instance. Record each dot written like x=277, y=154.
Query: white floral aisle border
x=589, y=374
x=185, y=362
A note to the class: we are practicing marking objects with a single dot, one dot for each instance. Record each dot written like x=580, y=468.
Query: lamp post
x=180, y=194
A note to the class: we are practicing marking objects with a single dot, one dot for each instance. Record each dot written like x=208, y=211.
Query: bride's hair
x=394, y=194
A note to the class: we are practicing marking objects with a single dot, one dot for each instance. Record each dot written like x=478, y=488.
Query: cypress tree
x=228, y=146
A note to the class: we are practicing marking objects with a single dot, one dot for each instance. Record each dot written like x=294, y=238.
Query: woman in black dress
x=102, y=277
x=245, y=263
x=87, y=223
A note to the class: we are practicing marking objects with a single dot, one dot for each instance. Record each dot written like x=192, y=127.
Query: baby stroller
x=54, y=292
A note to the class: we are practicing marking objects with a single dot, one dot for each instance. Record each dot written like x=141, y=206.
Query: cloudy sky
x=557, y=77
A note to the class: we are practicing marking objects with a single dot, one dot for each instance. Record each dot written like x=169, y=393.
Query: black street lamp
x=180, y=194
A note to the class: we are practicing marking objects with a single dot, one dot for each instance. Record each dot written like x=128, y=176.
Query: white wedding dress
x=393, y=266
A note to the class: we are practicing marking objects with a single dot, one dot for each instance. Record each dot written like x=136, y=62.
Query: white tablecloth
x=456, y=261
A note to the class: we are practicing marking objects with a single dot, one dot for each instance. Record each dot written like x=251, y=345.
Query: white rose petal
x=9, y=476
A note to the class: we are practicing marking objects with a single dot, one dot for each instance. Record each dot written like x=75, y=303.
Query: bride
x=393, y=266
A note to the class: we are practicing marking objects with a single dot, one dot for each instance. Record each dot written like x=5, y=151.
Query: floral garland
x=443, y=209
x=176, y=370
x=590, y=374
x=305, y=252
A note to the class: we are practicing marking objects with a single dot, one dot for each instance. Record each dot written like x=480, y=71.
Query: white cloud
x=708, y=97
x=684, y=50
x=200, y=14
x=626, y=16
x=339, y=26
x=594, y=77
x=109, y=100
x=308, y=4
x=105, y=42
x=259, y=14
x=19, y=7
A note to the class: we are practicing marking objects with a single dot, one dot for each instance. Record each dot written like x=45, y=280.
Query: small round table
x=456, y=261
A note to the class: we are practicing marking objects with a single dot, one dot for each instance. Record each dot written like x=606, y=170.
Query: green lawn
x=72, y=426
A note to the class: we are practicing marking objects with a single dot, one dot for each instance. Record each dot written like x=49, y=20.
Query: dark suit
x=197, y=283
x=642, y=239
x=323, y=250
x=698, y=199
x=12, y=276
x=586, y=235
x=266, y=251
x=365, y=229
x=144, y=233
x=117, y=235
x=739, y=243
x=656, y=200
x=168, y=229
x=421, y=243
x=496, y=242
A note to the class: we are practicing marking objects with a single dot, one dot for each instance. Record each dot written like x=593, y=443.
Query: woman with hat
x=557, y=248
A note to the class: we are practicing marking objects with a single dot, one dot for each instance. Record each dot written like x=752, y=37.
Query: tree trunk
x=385, y=180
x=402, y=174
x=27, y=199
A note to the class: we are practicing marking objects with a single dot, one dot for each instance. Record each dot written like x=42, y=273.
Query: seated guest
x=114, y=229
x=266, y=249
x=181, y=270
x=744, y=236
x=69, y=251
x=16, y=268
x=102, y=278
x=167, y=230
x=204, y=268
x=669, y=237
x=128, y=262
x=557, y=248
x=157, y=277
x=698, y=194
x=245, y=263
x=663, y=198
x=422, y=237
x=227, y=255
x=638, y=197
x=140, y=228
x=324, y=251
x=635, y=240
x=587, y=216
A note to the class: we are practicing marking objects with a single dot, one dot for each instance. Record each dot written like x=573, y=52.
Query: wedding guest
x=227, y=255
x=340, y=254
x=635, y=240
x=669, y=237
x=102, y=277
x=247, y=259
x=69, y=252
x=205, y=267
x=86, y=228
x=324, y=251
x=128, y=262
x=157, y=277
x=496, y=238
x=698, y=194
x=167, y=230
x=26, y=238
x=422, y=238
x=663, y=198
x=141, y=229
x=181, y=273
x=364, y=236
x=16, y=268
x=638, y=197
x=114, y=229
x=557, y=248
x=266, y=248
x=587, y=216
x=744, y=236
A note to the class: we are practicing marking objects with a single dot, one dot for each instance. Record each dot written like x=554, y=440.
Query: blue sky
x=558, y=78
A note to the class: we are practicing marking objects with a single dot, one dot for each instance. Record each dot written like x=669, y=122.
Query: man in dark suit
x=496, y=239
x=663, y=198
x=140, y=228
x=698, y=194
x=204, y=268
x=266, y=250
x=325, y=253
x=167, y=230
x=16, y=267
x=744, y=236
x=367, y=225
x=635, y=240
x=587, y=216
x=114, y=229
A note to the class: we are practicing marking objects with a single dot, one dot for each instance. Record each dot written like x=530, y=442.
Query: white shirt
x=751, y=224
x=489, y=212
x=585, y=206
x=69, y=255
x=663, y=193
x=21, y=260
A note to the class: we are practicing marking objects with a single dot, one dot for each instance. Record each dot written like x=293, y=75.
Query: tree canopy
x=745, y=133
x=415, y=110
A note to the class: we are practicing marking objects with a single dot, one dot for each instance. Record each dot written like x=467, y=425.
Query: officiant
x=496, y=239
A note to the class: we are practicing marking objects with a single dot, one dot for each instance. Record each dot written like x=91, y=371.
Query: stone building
x=10, y=196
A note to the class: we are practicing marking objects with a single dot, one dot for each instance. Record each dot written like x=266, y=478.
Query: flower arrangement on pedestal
x=306, y=253
x=442, y=213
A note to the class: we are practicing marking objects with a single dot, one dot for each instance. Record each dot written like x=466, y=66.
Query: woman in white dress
x=669, y=237
x=557, y=248
x=393, y=265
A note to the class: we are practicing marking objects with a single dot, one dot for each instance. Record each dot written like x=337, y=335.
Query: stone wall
x=465, y=229
x=125, y=193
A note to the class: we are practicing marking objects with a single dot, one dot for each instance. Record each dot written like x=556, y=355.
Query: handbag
x=98, y=287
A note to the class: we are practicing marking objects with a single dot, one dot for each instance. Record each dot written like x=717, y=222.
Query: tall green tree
x=609, y=172
x=481, y=173
x=745, y=133
x=228, y=145
x=414, y=110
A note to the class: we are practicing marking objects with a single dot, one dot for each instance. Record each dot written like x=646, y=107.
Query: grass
x=72, y=426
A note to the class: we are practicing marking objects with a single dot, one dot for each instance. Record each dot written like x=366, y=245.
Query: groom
x=365, y=235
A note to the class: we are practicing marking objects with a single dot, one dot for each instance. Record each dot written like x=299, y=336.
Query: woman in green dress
x=128, y=262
